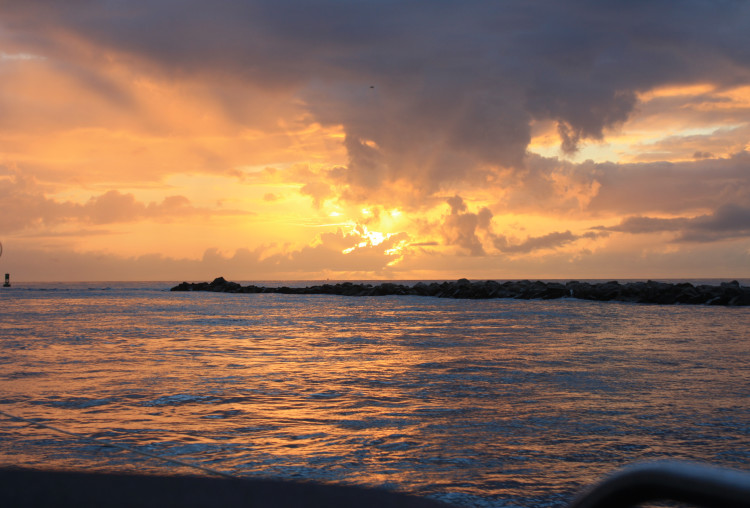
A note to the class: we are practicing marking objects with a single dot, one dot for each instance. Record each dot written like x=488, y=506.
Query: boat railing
x=682, y=482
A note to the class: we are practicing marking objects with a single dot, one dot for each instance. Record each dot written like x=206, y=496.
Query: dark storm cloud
x=434, y=92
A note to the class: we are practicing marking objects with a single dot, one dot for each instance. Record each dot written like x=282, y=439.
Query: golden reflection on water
x=497, y=399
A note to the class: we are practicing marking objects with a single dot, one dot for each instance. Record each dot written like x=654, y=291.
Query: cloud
x=426, y=92
x=694, y=260
x=318, y=191
x=431, y=109
x=548, y=241
x=460, y=227
x=703, y=155
x=340, y=251
x=472, y=231
x=24, y=205
x=114, y=206
x=727, y=222
x=639, y=225
x=19, y=56
x=722, y=143
x=584, y=190
x=680, y=187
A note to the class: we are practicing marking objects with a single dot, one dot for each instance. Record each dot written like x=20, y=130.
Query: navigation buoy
x=7, y=275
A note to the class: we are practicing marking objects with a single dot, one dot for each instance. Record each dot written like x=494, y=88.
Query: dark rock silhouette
x=727, y=293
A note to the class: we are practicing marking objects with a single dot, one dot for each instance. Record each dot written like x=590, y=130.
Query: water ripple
x=492, y=403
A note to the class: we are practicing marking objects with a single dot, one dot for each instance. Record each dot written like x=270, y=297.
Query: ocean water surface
x=476, y=403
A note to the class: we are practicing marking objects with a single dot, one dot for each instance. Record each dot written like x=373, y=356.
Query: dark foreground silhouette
x=728, y=293
x=29, y=488
x=695, y=484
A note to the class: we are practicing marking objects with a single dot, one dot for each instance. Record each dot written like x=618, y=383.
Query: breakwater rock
x=728, y=293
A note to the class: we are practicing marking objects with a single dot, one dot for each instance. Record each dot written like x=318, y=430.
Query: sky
x=349, y=139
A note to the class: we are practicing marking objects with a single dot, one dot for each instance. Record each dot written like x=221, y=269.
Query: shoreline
x=663, y=293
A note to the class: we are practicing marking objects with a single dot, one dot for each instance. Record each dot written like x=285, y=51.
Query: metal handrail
x=685, y=482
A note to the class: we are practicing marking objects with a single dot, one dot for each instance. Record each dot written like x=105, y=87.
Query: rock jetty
x=728, y=293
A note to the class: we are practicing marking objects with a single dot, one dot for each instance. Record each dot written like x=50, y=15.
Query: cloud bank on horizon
x=168, y=139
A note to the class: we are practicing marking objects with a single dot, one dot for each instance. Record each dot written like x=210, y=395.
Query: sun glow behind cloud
x=295, y=152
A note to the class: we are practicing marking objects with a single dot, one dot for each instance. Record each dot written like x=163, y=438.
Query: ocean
x=497, y=403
